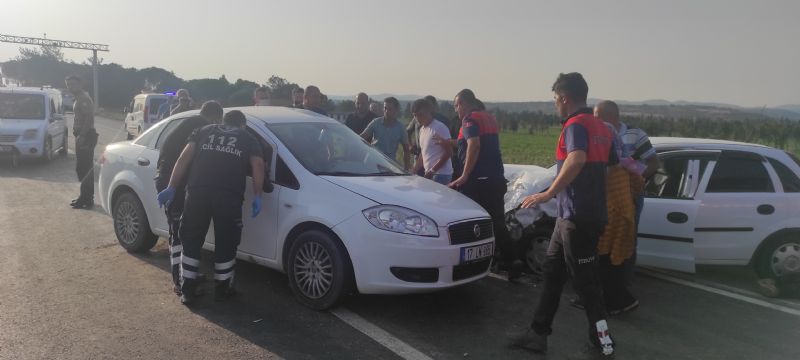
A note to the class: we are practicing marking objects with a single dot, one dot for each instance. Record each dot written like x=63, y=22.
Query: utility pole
x=64, y=44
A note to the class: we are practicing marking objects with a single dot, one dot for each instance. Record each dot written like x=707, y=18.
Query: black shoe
x=189, y=293
x=83, y=205
x=187, y=299
x=515, y=270
x=530, y=340
x=630, y=307
x=75, y=201
x=177, y=289
x=224, y=290
x=577, y=303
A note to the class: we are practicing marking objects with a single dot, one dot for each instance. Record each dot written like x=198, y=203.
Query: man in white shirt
x=433, y=157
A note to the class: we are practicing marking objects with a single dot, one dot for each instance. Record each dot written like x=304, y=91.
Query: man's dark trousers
x=572, y=253
x=489, y=194
x=84, y=165
x=202, y=205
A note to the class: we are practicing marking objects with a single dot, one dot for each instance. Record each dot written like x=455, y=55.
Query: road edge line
x=381, y=336
x=721, y=292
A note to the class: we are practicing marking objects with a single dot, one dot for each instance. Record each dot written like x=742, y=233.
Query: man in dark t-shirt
x=229, y=150
x=583, y=153
x=210, y=113
x=359, y=120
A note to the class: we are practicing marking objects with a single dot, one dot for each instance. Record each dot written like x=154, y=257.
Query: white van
x=143, y=112
x=32, y=124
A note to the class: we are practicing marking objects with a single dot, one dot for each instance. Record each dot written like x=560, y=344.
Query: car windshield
x=22, y=106
x=334, y=149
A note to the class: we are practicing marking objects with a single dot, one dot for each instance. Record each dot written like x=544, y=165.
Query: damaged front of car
x=531, y=228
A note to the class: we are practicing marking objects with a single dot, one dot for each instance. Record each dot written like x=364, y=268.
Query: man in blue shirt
x=386, y=133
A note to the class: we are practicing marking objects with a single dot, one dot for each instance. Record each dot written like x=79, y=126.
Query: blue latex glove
x=256, y=206
x=166, y=196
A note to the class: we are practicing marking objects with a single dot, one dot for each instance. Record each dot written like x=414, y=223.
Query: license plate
x=6, y=148
x=472, y=253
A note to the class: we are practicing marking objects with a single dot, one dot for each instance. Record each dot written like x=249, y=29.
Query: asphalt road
x=68, y=291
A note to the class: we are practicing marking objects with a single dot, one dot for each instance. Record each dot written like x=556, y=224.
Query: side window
x=168, y=129
x=666, y=182
x=266, y=154
x=739, y=175
x=155, y=104
x=789, y=180
x=147, y=139
x=284, y=176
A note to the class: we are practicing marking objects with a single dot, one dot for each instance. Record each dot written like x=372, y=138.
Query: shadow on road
x=266, y=314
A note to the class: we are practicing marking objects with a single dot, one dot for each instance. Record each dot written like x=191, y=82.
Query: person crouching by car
x=212, y=150
x=210, y=113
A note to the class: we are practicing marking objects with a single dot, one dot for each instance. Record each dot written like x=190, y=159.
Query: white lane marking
x=390, y=342
x=725, y=293
x=501, y=277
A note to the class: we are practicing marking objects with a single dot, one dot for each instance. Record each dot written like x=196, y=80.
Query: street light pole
x=64, y=44
x=94, y=76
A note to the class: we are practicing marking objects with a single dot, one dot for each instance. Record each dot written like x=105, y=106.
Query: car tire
x=64, y=144
x=535, y=249
x=47, y=150
x=779, y=257
x=319, y=270
x=131, y=225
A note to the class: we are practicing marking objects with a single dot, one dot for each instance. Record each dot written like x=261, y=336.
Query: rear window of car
x=789, y=180
x=739, y=175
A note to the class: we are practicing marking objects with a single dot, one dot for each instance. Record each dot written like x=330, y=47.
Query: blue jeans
x=442, y=179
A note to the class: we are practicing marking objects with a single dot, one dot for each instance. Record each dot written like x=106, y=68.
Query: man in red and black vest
x=583, y=153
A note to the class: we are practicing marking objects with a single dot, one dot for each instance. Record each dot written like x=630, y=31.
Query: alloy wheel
x=127, y=222
x=313, y=270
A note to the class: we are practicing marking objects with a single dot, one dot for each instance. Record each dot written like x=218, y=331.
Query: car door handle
x=142, y=161
x=677, y=217
x=765, y=209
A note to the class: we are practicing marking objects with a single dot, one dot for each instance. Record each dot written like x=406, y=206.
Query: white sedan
x=711, y=202
x=341, y=217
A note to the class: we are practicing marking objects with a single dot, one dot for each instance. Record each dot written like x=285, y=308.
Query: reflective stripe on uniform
x=189, y=261
x=188, y=274
x=177, y=249
x=225, y=265
x=225, y=276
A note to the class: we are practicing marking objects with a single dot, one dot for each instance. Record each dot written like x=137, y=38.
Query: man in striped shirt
x=635, y=144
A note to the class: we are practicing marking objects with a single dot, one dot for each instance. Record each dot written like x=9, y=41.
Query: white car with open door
x=341, y=217
x=711, y=202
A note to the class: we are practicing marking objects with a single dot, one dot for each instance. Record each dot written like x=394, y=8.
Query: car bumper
x=375, y=253
x=23, y=148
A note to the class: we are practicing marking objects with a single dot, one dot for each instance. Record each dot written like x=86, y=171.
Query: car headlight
x=30, y=134
x=401, y=220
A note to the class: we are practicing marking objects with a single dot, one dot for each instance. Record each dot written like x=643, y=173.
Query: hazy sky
x=740, y=52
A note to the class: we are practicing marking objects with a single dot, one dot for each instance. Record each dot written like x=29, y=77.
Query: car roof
x=280, y=114
x=29, y=90
x=710, y=144
x=153, y=95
